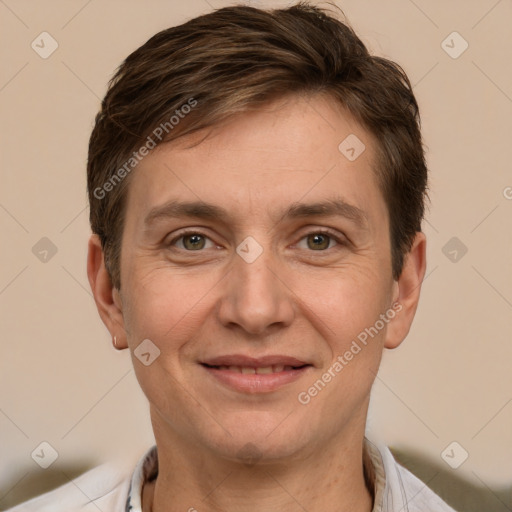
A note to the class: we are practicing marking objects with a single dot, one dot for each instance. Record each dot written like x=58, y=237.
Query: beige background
x=61, y=380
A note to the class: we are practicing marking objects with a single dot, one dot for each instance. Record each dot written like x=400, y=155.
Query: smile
x=255, y=376
x=260, y=370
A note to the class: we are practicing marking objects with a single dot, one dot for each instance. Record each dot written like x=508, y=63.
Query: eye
x=320, y=240
x=191, y=241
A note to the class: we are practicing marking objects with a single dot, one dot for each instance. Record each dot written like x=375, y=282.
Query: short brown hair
x=239, y=58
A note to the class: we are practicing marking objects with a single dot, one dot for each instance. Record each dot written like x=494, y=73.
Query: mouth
x=255, y=375
x=256, y=370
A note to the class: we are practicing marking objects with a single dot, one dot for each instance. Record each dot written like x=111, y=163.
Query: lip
x=255, y=383
x=254, y=362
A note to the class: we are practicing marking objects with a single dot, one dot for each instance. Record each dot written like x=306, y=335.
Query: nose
x=256, y=297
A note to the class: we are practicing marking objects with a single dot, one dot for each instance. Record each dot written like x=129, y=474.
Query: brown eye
x=318, y=241
x=193, y=242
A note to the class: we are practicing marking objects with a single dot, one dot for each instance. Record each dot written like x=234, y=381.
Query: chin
x=264, y=441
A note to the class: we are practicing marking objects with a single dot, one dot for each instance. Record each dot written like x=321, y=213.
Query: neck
x=339, y=479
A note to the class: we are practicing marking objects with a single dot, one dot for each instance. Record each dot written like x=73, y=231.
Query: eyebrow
x=208, y=211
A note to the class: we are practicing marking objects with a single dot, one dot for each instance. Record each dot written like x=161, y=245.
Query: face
x=256, y=260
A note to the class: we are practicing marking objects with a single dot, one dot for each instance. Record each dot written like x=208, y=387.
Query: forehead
x=261, y=160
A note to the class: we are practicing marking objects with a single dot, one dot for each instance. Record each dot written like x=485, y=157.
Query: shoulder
x=104, y=488
x=398, y=489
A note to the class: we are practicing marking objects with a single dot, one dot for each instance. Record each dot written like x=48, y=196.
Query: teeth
x=277, y=368
x=267, y=369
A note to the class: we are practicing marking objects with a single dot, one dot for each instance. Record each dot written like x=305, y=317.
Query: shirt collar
x=145, y=471
x=376, y=475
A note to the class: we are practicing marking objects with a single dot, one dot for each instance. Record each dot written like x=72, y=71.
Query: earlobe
x=107, y=298
x=408, y=294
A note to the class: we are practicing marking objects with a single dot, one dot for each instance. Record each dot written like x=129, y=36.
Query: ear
x=407, y=292
x=107, y=298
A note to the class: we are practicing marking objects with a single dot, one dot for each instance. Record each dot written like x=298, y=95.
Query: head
x=257, y=184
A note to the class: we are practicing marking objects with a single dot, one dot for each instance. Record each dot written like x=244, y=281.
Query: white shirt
x=111, y=488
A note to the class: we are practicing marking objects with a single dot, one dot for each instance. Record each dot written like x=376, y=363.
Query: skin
x=294, y=299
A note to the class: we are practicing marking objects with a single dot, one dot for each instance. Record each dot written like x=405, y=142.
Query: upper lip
x=254, y=362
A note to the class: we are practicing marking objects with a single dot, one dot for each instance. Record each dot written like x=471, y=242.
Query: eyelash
x=324, y=231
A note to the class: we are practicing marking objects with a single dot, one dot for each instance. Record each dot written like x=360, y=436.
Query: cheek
x=349, y=319
x=165, y=305
x=347, y=301
x=169, y=313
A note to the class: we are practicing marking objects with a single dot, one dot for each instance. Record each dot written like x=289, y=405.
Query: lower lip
x=256, y=383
